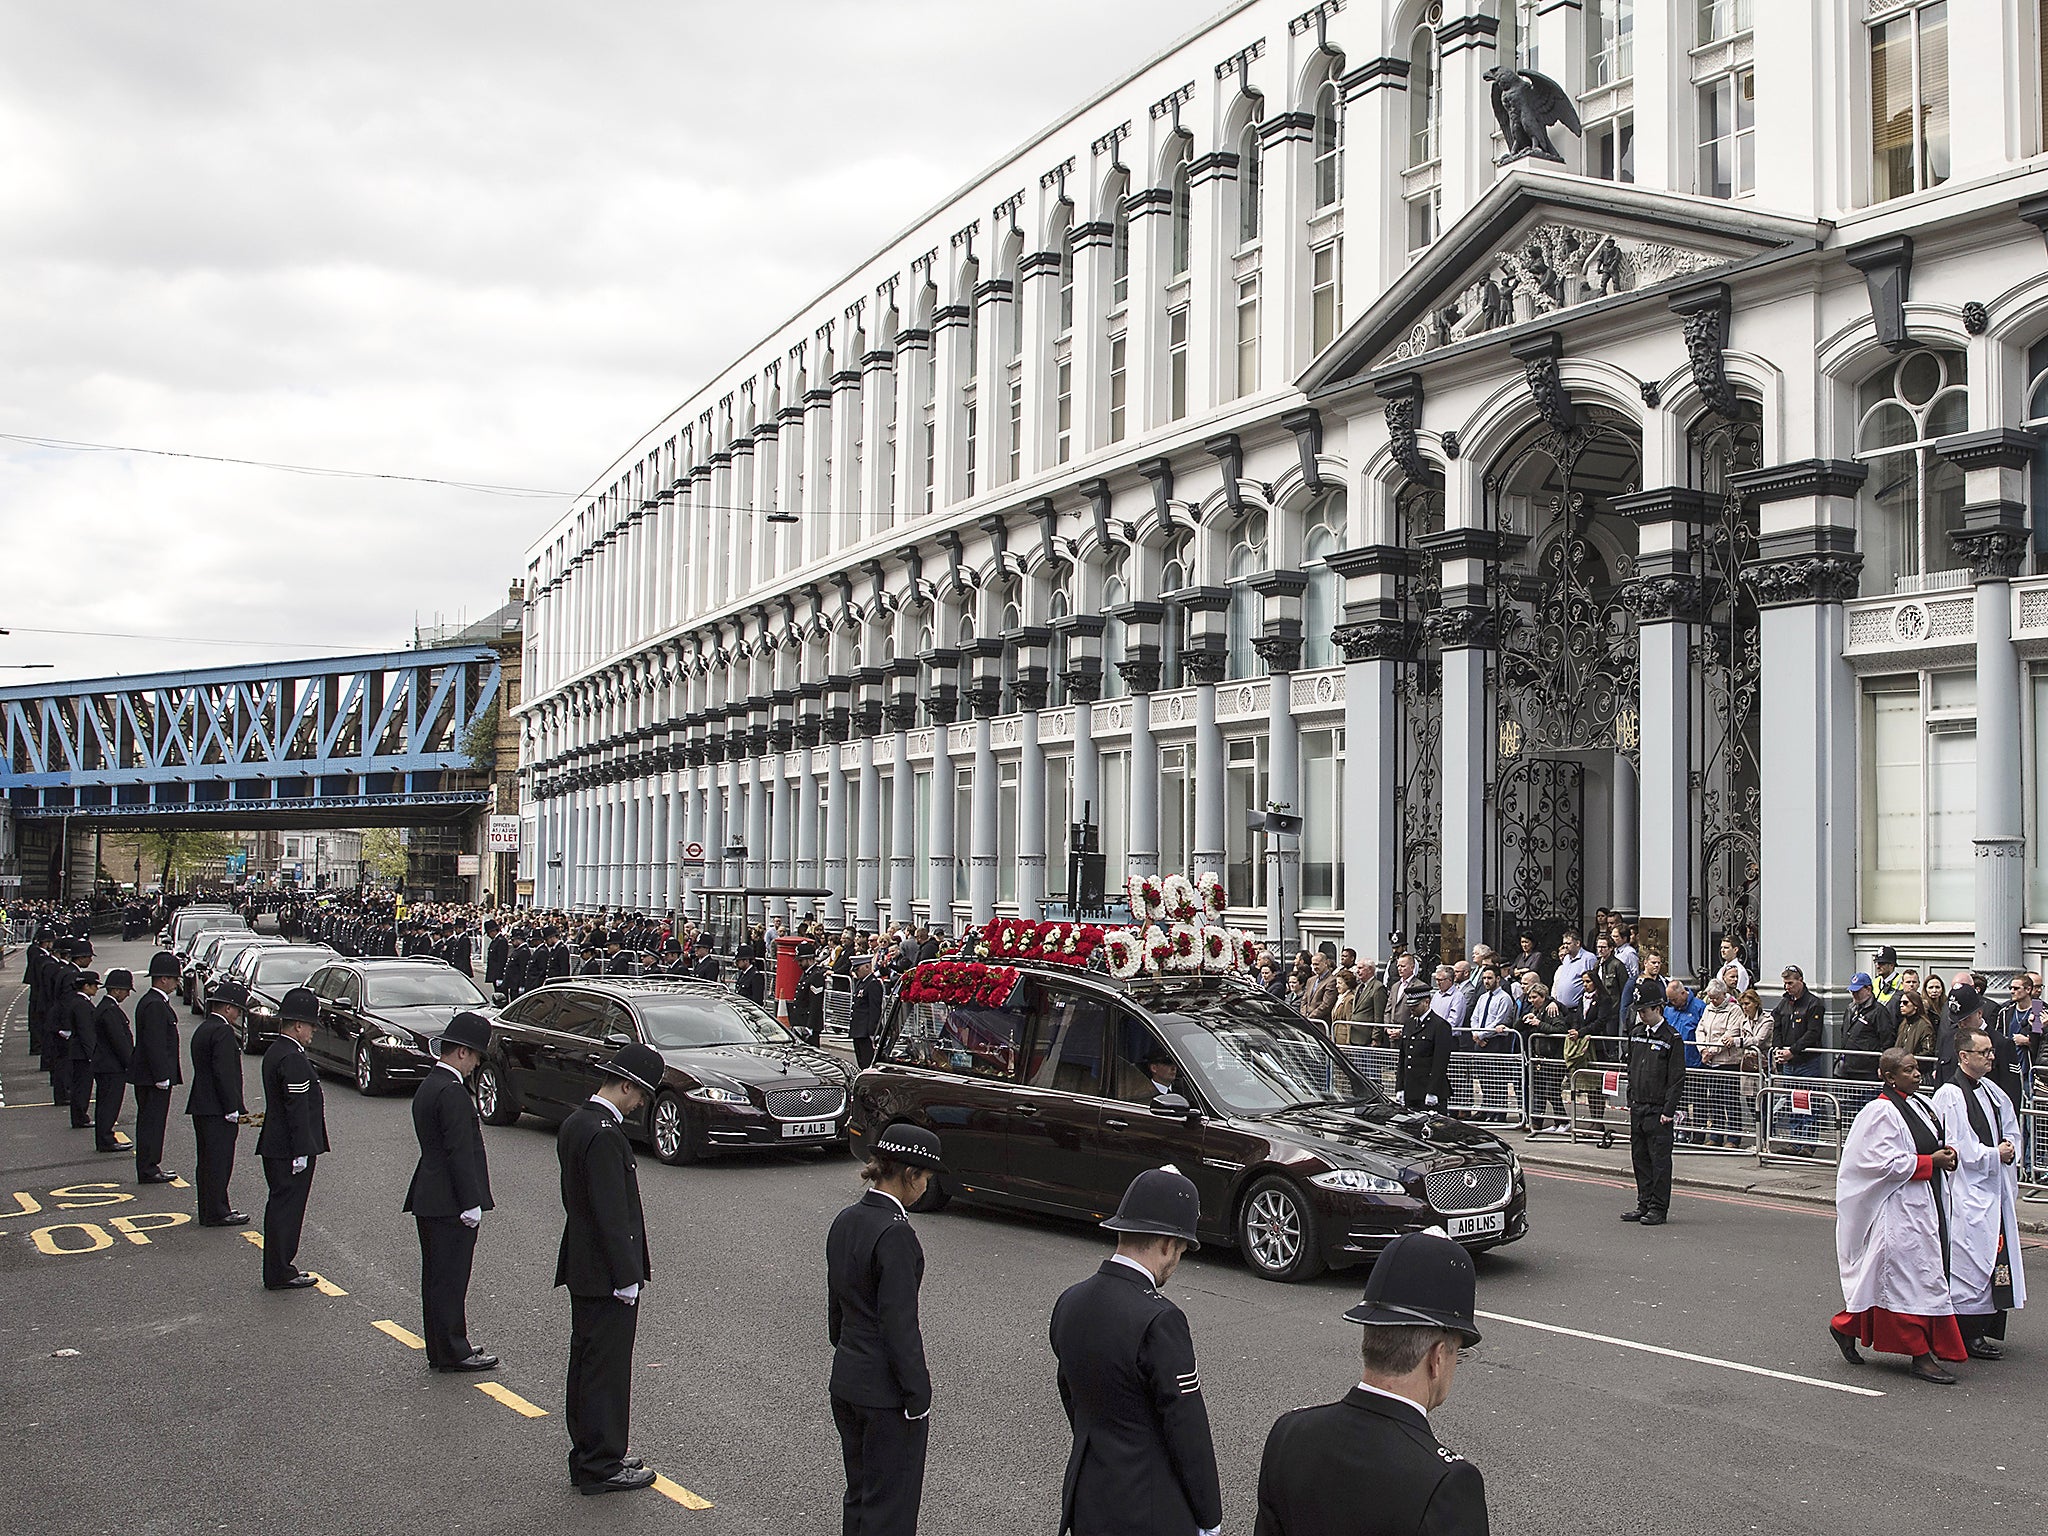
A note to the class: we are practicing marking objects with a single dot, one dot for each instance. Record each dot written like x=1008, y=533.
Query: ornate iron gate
x=1419, y=724
x=1539, y=808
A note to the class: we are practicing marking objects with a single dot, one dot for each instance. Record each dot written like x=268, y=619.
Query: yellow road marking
x=408, y=1339
x=179, y=1183
x=680, y=1494
x=253, y=1237
x=121, y=1139
x=325, y=1286
x=511, y=1399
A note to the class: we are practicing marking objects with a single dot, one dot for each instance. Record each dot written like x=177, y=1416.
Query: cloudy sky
x=489, y=243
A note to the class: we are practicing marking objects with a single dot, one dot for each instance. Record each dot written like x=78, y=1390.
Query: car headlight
x=395, y=1042
x=712, y=1093
x=1358, y=1181
x=1514, y=1164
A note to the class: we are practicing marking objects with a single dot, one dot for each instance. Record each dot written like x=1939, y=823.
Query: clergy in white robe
x=1982, y=1197
x=1890, y=1237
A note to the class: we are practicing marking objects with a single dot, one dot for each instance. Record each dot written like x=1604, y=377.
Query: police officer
x=605, y=1265
x=293, y=1137
x=1142, y=1463
x=113, y=1051
x=81, y=1028
x=1422, y=1072
x=497, y=956
x=455, y=947
x=59, y=974
x=560, y=961
x=881, y=1391
x=215, y=1102
x=1656, y=1083
x=864, y=1017
x=450, y=1191
x=1368, y=1465
x=154, y=1069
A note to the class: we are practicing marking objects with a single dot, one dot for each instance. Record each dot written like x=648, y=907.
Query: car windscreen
x=288, y=969
x=422, y=988
x=687, y=1023
x=1254, y=1056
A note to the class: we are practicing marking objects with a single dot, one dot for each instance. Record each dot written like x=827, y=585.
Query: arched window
x=1329, y=145
x=1322, y=603
x=2037, y=418
x=1067, y=276
x=1120, y=253
x=966, y=629
x=1247, y=607
x=1183, y=212
x=1059, y=603
x=1250, y=168
x=1913, y=498
x=1115, y=593
x=1425, y=98
x=1176, y=572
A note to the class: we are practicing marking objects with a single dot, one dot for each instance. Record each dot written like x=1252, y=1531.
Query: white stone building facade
x=1651, y=531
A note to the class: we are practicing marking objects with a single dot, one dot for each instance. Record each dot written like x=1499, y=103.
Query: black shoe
x=476, y=1360
x=232, y=1219
x=159, y=1177
x=1606, y=1140
x=1984, y=1349
x=296, y=1283
x=112, y=1146
x=634, y=1463
x=625, y=1480
x=1653, y=1219
x=1846, y=1343
x=81, y=1125
x=1927, y=1368
x=1632, y=1215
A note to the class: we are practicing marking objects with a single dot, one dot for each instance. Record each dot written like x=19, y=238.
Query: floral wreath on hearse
x=1176, y=929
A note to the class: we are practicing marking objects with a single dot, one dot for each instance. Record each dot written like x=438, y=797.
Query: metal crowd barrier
x=2033, y=1161
x=1487, y=1086
x=17, y=932
x=838, y=1003
x=1806, y=1116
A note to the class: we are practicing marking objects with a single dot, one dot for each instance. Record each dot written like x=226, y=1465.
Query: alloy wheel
x=486, y=1092
x=1273, y=1228
x=366, y=1076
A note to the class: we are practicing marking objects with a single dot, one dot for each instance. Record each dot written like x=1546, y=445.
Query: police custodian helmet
x=1162, y=1202
x=1420, y=1280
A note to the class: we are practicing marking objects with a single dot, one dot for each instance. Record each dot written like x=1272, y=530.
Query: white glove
x=1430, y=1101
x=164, y=1084
x=629, y=1294
x=473, y=1216
x=299, y=1164
x=1214, y=1530
x=232, y=1117
x=914, y=1417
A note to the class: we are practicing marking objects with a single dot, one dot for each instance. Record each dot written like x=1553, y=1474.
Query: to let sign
x=504, y=834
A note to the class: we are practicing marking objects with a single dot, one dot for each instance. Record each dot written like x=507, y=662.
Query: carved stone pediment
x=1542, y=249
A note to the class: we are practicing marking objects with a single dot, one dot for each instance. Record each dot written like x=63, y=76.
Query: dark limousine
x=1055, y=1101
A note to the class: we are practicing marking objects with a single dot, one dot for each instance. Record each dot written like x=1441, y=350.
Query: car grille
x=1478, y=1188
x=805, y=1103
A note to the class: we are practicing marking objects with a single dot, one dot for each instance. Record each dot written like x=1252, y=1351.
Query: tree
x=179, y=851
x=384, y=853
x=480, y=741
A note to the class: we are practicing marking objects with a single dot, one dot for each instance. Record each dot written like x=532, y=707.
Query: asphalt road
x=197, y=1402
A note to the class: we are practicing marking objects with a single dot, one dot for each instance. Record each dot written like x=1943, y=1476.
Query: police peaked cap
x=910, y=1144
x=1160, y=1202
x=1420, y=1280
x=163, y=963
x=301, y=1005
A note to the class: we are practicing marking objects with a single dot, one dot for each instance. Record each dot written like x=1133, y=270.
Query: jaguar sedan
x=735, y=1077
x=377, y=1015
x=1056, y=1099
x=269, y=971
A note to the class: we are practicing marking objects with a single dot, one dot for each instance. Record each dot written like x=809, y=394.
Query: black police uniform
x=1365, y=1466
x=604, y=1250
x=560, y=962
x=81, y=1021
x=881, y=1389
x=216, y=1093
x=864, y=1017
x=1142, y=1463
x=59, y=978
x=294, y=1126
x=453, y=1175
x=113, y=1050
x=497, y=954
x=1656, y=1083
x=456, y=952
x=1423, y=1069
x=155, y=1061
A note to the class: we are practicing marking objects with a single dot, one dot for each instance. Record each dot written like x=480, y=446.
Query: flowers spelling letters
x=967, y=982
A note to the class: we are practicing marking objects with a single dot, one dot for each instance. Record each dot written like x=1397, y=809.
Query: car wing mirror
x=617, y=1040
x=1173, y=1106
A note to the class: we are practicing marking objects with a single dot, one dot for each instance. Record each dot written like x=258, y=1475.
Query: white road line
x=1679, y=1354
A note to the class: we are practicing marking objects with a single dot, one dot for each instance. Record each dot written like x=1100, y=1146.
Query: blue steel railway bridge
x=347, y=741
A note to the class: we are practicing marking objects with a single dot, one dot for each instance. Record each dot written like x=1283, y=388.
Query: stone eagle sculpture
x=1526, y=104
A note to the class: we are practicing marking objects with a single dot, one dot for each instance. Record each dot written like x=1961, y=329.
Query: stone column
x=1672, y=604
x=941, y=703
x=1994, y=538
x=838, y=906
x=1279, y=645
x=911, y=375
x=1377, y=643
x=878, y=414
x=1082, y=675
x=867, y=882
x=1032, y=647
x=1807, y=567
x=1140, y=669
x=900, y=714
x=1465, y=628
x=986, y=700
x=1206, y=660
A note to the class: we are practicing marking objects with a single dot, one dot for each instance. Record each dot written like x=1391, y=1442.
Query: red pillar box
x=789, y=971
